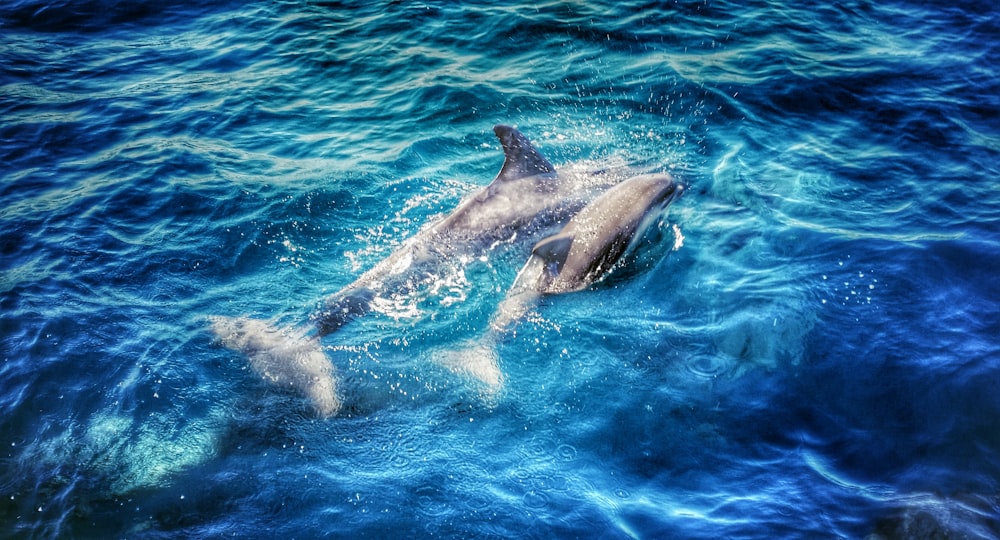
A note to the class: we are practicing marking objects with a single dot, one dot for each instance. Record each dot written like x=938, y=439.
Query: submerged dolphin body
x=527, y=197
x=283, y=357
x=590, y=244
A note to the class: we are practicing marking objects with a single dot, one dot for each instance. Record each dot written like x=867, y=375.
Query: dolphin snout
x=664, y=189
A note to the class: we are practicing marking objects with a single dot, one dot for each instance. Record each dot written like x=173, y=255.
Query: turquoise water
x=819, y=357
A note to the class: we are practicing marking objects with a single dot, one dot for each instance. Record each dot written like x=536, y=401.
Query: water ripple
x=825, y=334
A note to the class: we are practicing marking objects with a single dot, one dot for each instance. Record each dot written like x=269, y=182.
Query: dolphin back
x=343, y=307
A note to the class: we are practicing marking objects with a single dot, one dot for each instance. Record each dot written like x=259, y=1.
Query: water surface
x=818, y=359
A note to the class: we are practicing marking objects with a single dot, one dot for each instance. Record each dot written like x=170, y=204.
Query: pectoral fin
x=553, y=250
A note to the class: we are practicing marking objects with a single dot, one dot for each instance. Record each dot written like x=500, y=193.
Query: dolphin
x=526, y=197
x=590, y=244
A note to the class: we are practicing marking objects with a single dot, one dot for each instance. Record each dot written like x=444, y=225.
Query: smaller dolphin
x=590, y=244
x=283, y=358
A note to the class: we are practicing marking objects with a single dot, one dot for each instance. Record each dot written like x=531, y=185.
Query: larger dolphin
x=590, y=244
x=526, y=198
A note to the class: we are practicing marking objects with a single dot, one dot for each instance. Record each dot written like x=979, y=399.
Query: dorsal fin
x=521, y=159
x=553, y=250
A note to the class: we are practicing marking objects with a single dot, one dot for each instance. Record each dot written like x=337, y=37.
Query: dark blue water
x=819, y=359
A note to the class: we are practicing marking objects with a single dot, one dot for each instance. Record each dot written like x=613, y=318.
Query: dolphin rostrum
x=590, y=244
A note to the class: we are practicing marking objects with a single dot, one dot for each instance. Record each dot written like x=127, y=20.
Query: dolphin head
x=653, y=193
x=657, y=190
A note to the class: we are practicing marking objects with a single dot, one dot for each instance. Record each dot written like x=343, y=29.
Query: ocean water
x=816, y=355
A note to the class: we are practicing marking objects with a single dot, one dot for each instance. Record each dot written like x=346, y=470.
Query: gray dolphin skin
x=527, y=196
x=590, y=244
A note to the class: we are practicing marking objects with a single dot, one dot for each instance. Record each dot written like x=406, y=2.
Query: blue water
x=820, y=357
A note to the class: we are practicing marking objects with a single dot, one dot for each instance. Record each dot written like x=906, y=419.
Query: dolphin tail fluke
x=284, y=357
